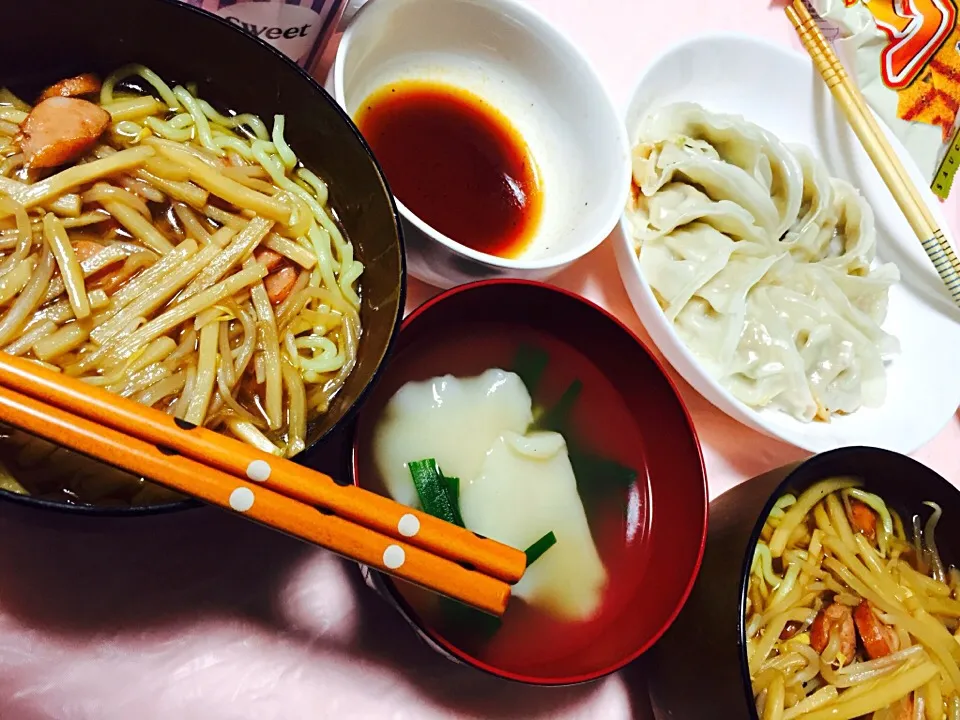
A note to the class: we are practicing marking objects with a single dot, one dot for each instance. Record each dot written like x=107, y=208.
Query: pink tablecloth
x=205, y=616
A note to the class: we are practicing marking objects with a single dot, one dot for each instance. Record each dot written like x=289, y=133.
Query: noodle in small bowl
x=203, y=232
x=828, y=590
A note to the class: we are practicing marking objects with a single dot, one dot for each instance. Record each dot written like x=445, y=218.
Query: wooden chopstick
x=255, y=502
x=282, y=476
x=878, y=148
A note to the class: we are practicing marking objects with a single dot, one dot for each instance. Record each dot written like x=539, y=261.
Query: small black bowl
x=704, y=648
x=233, y=70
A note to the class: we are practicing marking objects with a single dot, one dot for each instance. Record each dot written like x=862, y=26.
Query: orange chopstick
x=255, y=502
x=282, y=476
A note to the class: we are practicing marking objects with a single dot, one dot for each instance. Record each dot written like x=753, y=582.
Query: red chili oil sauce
x=456, y=162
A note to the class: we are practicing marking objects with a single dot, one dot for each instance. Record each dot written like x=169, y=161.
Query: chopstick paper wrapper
x=884, y=158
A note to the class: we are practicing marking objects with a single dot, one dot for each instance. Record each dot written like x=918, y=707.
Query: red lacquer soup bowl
x=644, y=493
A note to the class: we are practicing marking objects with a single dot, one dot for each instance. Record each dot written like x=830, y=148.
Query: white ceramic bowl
x=779, y=90
x=510, y=56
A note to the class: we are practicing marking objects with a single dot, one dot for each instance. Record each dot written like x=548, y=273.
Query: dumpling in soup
x=454, y=420
x=515, y=487
x=525, y=490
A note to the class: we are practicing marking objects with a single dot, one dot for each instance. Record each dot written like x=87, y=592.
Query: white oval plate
x=779, y=90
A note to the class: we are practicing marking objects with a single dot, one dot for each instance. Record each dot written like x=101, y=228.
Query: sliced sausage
x=86, y=84
x=280, y=284
x=839, y=617
x=879, y=640
x=109, y=278
x=86, y=249
x=268, y=258
x=61, y=129
x=863, y=519
x=112, y=279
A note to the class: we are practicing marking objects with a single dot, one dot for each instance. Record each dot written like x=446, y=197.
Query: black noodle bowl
x=237, y=72
x=712, y=622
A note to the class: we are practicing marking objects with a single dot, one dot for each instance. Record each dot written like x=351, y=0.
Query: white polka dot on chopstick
x=258, y=470
x=394, y=557
x=409, y=525
x=241, y=499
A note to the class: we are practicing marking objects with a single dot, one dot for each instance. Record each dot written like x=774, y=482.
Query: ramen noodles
x=182, y=257
x=850, y=611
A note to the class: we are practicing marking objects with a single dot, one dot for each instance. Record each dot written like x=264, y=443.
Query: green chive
x=530, y=363
x=558, y=417
x=452, y=486
x=536, y=551
x=434, y=492
x=461, y=618
x=592, y=469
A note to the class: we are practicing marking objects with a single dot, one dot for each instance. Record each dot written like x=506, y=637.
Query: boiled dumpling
x=768, y=369
x=525, y=489
x=727, y=290
x=789, y=317
x=802, y=355
x=817, y=217
x=854, y=244
x=725, y=134
x=868, y=293
x=514, y=487
x=740, y=143
x=861, y=301
x=455, y=420
x=712, y=323
x=679, y=264
x=657, y=163
x=678, y=204
x=844, y=368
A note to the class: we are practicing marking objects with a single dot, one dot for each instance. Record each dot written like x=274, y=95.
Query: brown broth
x=51, y=472
x=456, y=162
x=529, y=640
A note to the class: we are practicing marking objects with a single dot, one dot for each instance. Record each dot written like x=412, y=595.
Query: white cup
x=510, y=56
